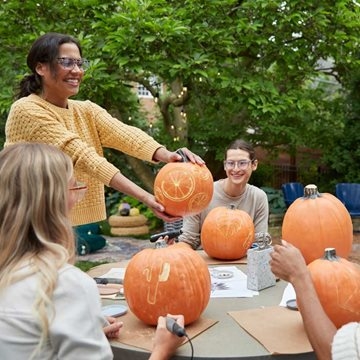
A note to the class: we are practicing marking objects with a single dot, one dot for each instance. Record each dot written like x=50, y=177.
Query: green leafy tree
x=253, y=69
x=344, y=156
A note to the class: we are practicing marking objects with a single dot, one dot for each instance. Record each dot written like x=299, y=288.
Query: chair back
x=349, y=195
x=292, y=191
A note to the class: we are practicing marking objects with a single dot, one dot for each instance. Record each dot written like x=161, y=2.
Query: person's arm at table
x=166, y=343
x=288, y=264
x=191, y=229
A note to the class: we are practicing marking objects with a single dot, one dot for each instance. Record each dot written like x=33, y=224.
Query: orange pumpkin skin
x=227, y=233
x=337, y=283
x=184, y=188
x=170, y=280
x=318, y=221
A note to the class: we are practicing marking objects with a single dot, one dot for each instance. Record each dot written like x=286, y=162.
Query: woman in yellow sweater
x=44, y=113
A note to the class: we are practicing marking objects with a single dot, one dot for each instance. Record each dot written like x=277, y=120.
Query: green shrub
x=276, y=200
x=87, y=265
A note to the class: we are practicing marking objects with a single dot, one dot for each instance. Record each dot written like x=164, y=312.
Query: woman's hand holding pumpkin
x=164, y=155
x=158, y=208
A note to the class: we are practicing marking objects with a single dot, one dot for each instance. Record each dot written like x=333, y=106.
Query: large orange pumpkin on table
x=337, y=283
x=227, y=233
x=183, y=188
x=318, y=221
x=169, y=280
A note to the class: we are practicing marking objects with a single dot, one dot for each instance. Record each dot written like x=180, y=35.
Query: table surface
x=226, y=339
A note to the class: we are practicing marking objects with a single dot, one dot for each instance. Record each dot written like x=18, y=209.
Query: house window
x=145, y=93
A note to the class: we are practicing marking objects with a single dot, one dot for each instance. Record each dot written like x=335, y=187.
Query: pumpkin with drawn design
x=183, y=188
x=337, y=283
x=167, y=280
x=227, y=233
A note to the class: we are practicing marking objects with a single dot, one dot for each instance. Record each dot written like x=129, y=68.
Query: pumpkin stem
x=311, y=191
x=232, y=207
x=330, y=254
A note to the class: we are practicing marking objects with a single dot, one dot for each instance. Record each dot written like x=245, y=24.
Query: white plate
x=114, y=310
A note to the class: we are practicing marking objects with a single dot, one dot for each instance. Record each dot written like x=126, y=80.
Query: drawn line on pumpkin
x=198, y=201
x=163, y=276
x=178, y=187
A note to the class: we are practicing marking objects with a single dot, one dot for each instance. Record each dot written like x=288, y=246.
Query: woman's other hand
x=164, y=155
x=112, y=330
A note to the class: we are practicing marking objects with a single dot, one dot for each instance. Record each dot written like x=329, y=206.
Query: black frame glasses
x=69, y=63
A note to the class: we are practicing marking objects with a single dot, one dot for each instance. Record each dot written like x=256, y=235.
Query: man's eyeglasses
x=80, y=189
x=69, y=63
x=241, y=164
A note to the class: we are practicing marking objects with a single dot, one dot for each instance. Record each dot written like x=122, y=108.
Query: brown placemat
x=136, y=333
x=278, y=329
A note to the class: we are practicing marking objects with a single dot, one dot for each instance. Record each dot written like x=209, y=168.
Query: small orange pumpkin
x=337, y=283
x=183, y=188
x=227, y=233
x=168, y=280
x=318, y=221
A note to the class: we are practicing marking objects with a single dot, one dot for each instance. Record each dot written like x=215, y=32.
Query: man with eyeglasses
x=44, y=113
x=240, y=161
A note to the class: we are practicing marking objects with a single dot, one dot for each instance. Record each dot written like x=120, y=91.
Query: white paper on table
x=229, y=281
x=116, y=273
x=288, y=294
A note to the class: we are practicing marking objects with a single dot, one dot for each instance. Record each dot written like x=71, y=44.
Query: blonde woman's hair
x=34, y=226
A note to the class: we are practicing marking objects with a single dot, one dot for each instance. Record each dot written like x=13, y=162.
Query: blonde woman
x=49, y=309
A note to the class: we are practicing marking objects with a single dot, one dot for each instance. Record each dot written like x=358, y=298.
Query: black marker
x=170, y=234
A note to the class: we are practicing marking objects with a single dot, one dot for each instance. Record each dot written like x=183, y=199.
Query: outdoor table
x=224, y=340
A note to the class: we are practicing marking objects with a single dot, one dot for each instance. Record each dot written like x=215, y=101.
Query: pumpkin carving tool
x=105, y=281
x=170, y=234
x=174, y=327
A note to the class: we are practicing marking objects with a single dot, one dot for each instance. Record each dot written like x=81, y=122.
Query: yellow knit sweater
x=82, y=131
